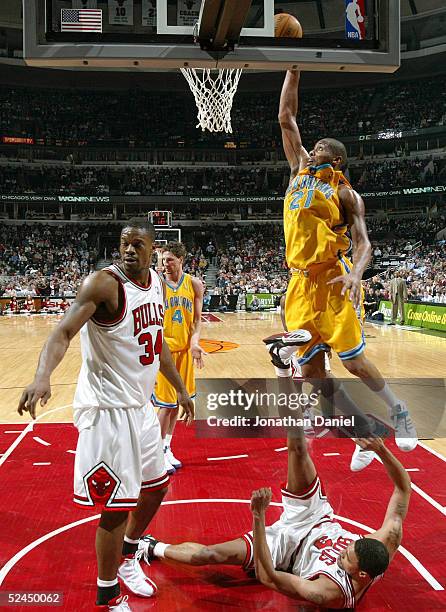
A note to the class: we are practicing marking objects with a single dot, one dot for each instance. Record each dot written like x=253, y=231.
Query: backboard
x=348, y=35
x=163, y=236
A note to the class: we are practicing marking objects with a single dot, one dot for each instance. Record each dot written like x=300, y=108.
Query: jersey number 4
x=150, y=349
x=177, y=316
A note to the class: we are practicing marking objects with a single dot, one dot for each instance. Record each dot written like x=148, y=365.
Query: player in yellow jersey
x=183, y=303
x=324, y=295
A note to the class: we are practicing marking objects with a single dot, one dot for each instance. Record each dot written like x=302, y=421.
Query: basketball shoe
x=282, y=347
x=308, y=415
x=174, y=462
x=363, y=458
x=147, y=545
x=118, y=604
x=132, y=575
x=170, y=469
x=405, y=433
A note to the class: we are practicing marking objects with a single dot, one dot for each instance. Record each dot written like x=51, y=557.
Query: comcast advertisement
x=418, y=315
x=260, y=301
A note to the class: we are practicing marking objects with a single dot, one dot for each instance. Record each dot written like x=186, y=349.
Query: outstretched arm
x=98, y=288
x=311, y=590
x=295, y=153
x=391, y=531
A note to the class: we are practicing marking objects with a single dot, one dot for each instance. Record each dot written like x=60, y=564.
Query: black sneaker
x=282, y=347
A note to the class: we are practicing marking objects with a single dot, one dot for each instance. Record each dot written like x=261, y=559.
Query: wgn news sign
x=418, y=315
x=261, y=301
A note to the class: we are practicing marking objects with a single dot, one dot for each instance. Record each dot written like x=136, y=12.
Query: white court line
x=409, y=556
x=432, y=451
x=423, y=494
x=27, y=429
x=428, y=498
x=40, y=441
x=412, y=470
x=221, y=458
x=322, y=434
x=71, y=451
x=43, y=463
x=278, y=450
x=4, y=571
x=331, y=454
x=13, y=431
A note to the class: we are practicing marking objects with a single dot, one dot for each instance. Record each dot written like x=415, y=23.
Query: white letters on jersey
x=121, y=359
x=318, y=556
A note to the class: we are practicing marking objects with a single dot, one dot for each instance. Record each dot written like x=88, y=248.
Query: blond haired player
x=183, y=302
x=324, y=295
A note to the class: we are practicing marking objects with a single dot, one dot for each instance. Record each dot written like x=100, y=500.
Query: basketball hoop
x=213, y=95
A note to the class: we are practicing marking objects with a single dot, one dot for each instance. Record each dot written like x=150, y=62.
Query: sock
x=164, y=444
x=160, y=549
x=344, y=403
x=129, y=546
x=388, y=396
x=107, y=590
x=281, y=373
x=168, y=439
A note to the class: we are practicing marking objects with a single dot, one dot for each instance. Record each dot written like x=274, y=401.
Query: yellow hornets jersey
x=313, y=221
x=179, y=313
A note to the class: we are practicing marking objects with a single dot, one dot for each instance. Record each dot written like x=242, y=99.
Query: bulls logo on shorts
x=101, y=484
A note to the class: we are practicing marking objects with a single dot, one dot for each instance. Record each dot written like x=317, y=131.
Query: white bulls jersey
x=318, y=556
x=121, y=359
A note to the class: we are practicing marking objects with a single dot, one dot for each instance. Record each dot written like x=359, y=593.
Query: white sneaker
x=119, y=604
x=307, y=413
x=172, y=459
x=167, y=465
x=405, y=433
x=361, y=459
x=134, y=578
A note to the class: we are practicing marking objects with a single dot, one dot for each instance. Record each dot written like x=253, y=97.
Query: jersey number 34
x=151, y=350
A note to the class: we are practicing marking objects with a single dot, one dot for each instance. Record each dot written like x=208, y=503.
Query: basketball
x=287, y=26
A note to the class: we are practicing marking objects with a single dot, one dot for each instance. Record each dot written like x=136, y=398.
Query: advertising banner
x=418, y=314
x=260, y=301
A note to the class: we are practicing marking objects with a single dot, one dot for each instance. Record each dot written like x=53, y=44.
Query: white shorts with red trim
x=301, y=513
x=119, y=454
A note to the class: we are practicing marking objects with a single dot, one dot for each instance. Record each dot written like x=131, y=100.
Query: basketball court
x=48, y=542
x=208, y=499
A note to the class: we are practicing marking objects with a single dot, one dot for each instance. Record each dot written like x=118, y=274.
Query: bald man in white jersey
x=119, y=465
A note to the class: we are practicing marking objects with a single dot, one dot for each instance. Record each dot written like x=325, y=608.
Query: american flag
x=81, y=20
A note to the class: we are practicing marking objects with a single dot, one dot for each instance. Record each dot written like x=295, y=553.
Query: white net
x=213, y=95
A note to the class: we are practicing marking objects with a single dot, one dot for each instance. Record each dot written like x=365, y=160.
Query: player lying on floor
x=306, y=554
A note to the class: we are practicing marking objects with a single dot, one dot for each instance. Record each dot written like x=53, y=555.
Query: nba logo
x=354, y=19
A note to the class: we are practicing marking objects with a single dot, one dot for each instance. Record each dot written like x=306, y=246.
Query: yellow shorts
x=330, y=317
x=165, y=395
